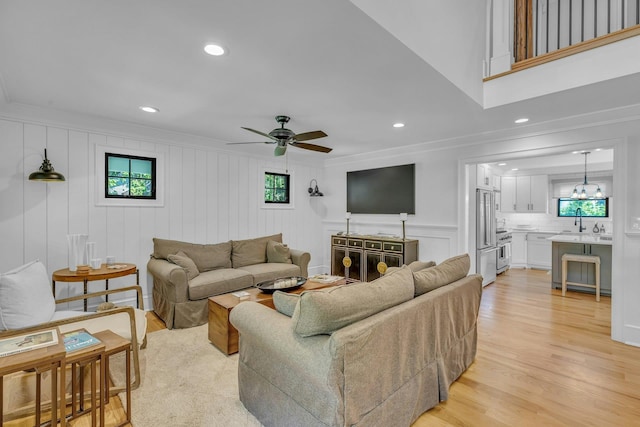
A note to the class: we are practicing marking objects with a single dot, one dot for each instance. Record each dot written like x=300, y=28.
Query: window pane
x=281, y=181
x=140, y=168
x=268, y=180
x=118, y=187
x=268, y=195
x=118, y=166
x=597, y=208
x=140, y=187
x=281, y=195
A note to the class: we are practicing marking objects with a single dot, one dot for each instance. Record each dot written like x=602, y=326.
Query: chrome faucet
x=575, y=222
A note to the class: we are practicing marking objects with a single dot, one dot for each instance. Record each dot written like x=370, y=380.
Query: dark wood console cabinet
x=366, y=252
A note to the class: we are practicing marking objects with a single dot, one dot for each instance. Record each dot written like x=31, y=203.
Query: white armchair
x=27, y=304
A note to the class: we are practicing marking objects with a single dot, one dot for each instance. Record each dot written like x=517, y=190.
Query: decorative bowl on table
x=281, y=284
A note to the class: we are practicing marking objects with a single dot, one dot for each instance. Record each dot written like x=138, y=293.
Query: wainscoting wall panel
x=210, y=196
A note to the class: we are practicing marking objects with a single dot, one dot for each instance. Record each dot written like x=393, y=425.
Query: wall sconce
x=313, y=191
x=46, y=172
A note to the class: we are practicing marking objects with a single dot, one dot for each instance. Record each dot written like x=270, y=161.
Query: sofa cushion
x=285, y=302
x=25, y=297
x=206, y=257
x=446, y=272
x=251, y=251
x=185, y=262
x=218, y=282
x=270, y=271
x=278, y=252
x=324, y=311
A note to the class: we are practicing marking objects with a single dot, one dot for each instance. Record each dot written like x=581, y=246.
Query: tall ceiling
x=324, y=63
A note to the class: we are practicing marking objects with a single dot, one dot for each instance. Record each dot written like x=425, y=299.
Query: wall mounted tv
x=389, y=190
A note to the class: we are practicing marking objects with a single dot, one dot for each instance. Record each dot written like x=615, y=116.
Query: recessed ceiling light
x=502, y=164
x=214, y=49
x=514, y=169
x=149, y=109
x=398, y=125
x=522, y=120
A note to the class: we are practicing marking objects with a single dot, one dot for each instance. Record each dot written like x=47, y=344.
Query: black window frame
x=585, y=214
x=153, y=178
x=287, y=185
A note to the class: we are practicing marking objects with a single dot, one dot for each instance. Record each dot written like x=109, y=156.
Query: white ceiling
x=325, y=63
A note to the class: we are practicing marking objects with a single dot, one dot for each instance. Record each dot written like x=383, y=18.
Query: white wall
x=421, y=27
x=210, y=196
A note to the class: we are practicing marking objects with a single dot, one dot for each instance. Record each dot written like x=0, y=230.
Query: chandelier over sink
x=585, y=184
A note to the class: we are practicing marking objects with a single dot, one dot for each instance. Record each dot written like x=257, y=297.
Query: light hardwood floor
x=543, y=360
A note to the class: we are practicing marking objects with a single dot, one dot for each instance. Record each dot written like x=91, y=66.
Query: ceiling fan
x=285, y=137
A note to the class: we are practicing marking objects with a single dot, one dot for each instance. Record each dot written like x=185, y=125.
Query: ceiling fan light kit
x=285, y=137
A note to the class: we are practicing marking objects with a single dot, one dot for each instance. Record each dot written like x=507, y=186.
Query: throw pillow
x=25, y=297
x=446, y=272
x=420, y=265
x=414, y=266
x=278, y=252
x=285, y=303
x=321, y=312
x=185, y=262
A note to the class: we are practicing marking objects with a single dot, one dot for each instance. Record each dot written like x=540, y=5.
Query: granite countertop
x=605, y=239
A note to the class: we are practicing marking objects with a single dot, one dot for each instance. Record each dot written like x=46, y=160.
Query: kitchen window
x=590, y=208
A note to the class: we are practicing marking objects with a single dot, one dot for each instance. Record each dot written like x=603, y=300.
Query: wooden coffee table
x=222, y=334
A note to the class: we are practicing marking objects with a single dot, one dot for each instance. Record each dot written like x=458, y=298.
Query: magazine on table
x=76, y=340
x=26, y=342
x=325, y=278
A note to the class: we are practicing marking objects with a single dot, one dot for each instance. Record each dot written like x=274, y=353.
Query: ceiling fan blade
x=312, y=147
x=310, y=135
x=266, y=135
x=280, y=150
x=254, y=142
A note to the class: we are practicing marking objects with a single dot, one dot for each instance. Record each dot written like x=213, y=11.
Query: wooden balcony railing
x=546, y=30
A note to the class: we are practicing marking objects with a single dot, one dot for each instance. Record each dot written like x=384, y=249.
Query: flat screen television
x=389, y=190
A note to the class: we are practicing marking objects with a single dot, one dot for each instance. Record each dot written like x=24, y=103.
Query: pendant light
x=583, y=193
x=46, y=172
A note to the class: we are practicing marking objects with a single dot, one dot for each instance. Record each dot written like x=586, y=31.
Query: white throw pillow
x=25, y=297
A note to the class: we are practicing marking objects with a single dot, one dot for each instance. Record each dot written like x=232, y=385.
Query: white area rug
x=186, y=381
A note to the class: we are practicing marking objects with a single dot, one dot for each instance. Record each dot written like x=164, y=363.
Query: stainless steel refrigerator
x=486, y=235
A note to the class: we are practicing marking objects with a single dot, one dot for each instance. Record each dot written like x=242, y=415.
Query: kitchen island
x=581, y=272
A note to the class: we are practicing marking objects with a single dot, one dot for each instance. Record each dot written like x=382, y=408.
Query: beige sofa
x=370, y=354
x=185, y=274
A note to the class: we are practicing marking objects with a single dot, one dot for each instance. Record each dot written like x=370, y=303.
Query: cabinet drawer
x=355, y=243
x=339, y=241
x=392, y=246
x=368, y=244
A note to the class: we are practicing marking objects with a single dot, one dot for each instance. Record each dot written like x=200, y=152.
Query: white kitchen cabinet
x=518, y=249
x=508, y=194
x=484, y=177
x=525, y=194
x=539, y=250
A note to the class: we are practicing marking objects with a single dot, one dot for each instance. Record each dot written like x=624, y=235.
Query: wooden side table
x=115, y=344
x=103, y=273
x=44, y=359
